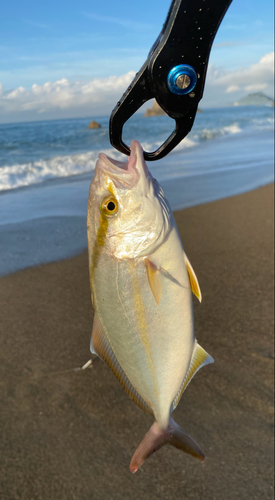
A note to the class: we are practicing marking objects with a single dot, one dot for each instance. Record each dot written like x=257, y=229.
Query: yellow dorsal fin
x=195, y=287
x=199, y=359
x=155, y=279
x=100, y=346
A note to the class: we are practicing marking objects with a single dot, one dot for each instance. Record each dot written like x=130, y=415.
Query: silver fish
x=141, y=282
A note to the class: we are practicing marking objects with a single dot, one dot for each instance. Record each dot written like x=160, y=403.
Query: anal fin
x=199, y=359
x=100, y=346
x=195, y=287
x=96, y=333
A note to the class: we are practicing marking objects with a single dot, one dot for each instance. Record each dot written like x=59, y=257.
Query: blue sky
x=80, y=41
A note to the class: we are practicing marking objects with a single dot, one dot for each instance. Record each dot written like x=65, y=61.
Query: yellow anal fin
x=96, y=333
x=155, y=279
x=100, y=346
x=199, y=359
x=195, y=287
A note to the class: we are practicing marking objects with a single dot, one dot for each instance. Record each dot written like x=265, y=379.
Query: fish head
x=128, y=214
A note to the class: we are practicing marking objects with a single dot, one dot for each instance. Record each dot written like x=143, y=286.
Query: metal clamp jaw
x=174, y=72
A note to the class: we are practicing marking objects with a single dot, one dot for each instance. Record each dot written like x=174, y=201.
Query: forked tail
x=156, y=438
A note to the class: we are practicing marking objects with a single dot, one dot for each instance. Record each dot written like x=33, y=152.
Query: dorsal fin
x=100, y=346
x=199, y=359
x=195, y=287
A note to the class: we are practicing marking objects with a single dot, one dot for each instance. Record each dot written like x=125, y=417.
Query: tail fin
x=156, y=438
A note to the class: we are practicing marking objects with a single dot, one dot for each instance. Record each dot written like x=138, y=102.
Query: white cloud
x=64, y=99
x=35, y=24
x=232, y=88
x=98, y=95
x=256, y=87
x=255, y=78
x=125, y=23
x=257, y=74
x=16, y=93
x=234, y=27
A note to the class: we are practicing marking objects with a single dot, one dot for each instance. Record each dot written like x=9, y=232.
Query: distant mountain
x=258, y=99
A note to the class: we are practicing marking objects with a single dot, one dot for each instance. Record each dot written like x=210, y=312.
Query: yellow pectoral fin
x=155, y=279
x=195, y=287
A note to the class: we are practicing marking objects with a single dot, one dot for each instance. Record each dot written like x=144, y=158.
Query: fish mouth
x=125, y=174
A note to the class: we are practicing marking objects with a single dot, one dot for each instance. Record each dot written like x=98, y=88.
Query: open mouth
x=124, y=174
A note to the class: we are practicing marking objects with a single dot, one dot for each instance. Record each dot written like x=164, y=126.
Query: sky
x=73, y=59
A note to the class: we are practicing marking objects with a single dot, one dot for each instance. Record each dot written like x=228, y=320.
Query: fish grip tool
x=174, y=72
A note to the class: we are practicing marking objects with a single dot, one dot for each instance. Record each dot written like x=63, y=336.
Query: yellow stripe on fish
x=101, y=232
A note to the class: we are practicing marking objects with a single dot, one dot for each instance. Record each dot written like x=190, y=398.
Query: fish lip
x=125, y=174
x=138, y=155
x=111, y=163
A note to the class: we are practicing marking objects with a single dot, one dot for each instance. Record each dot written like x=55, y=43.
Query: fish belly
x=152, y=343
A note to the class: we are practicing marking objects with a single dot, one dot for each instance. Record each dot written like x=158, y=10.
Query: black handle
x=182, y=48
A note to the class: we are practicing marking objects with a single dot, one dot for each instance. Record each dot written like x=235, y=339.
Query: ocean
x=31, y=153
x=46, y=168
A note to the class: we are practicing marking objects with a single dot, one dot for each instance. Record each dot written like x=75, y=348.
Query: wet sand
x=69, y=434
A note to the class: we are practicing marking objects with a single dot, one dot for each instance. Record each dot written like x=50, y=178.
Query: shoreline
x=71, y=434
x=46, y=222
x=55, y=237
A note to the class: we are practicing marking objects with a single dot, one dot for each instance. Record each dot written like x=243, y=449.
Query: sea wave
x=59, y=166
x=266, y=123
x=35, y=172
x=19, y=175
x=184, y=144
x=207, y=134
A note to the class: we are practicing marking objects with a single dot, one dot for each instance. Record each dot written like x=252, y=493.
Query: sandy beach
x=70, y=435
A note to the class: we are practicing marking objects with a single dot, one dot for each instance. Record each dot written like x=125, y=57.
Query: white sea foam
x=185, y=143
x=26, y=174
x=266, y=123
x=59, y=166
x=218, y=132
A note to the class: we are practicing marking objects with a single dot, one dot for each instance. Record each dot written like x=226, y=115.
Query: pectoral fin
x=195, y=287
x=100, y=346
x=155, y=278
x=199, y=359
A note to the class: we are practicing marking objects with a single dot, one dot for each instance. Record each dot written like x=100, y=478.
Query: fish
x=141, y=290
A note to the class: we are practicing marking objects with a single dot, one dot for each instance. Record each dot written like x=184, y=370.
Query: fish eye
x=109, y=206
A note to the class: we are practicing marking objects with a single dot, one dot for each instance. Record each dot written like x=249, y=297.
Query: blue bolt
x=182, y=79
